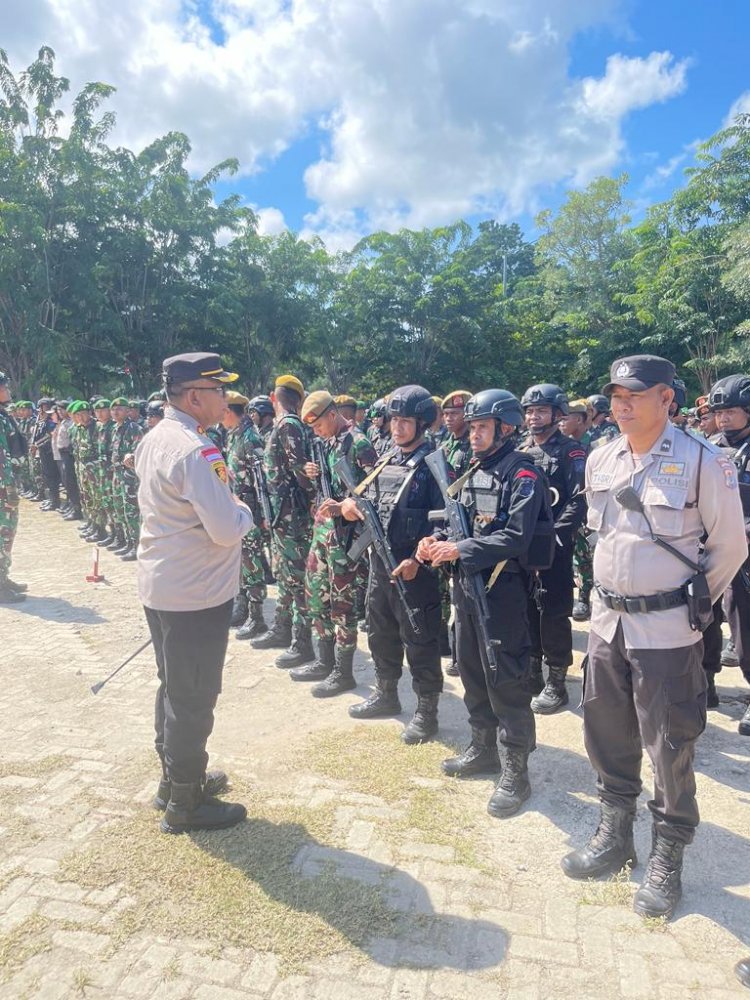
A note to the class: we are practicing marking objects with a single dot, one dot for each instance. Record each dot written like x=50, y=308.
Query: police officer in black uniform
x=260, y=409
x=404, y=492
x=729, y=399
x=563, y=460
x=602, y=429
x=504, y=494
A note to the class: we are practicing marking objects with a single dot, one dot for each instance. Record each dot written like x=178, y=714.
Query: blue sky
x=353, y=115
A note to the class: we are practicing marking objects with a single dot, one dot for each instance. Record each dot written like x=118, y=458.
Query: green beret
x=102, y=404
x=119, y=401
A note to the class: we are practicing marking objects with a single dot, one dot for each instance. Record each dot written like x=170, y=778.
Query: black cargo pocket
x=686, y=708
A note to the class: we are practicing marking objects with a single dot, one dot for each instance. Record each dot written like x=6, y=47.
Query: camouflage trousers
x=125, y=512
x=291, y=543
x=35, y=473
x=104, y=498
x=87, y=486
x=8, y=526
x=334, y=587
x=583, y=564
x=252, y=576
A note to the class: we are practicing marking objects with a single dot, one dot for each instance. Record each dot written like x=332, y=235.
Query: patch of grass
x=238, y=886
x=656, y=925
x=82, y=979
x=33, y=768
x=375, y=761
x=616, y=891
x=171, y=970
x=29, y=938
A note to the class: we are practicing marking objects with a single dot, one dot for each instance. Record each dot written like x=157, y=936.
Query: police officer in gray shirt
x=188, y=572
x=668, y=520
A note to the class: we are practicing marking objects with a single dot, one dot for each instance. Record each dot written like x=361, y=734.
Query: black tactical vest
x=391, y=489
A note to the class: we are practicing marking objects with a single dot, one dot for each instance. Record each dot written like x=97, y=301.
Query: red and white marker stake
x=95, y=576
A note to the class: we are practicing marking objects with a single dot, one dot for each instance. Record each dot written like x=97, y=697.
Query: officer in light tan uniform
x=644, y=684
x=188, y=572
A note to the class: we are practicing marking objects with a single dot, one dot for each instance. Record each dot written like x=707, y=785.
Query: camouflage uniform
x=332, y=581
x=8, y=492
x=380, y=439
x=125, y=439
x=104, y=512
x=242, y=443
x=292, y=495
x=85, y=448
x=602, y=434
x=458, y=452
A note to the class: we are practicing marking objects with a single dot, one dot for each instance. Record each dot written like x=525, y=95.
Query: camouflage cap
x=456, y=400
x=290, y=382
x=316, y=405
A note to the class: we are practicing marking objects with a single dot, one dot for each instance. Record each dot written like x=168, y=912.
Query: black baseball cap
x=187, y=367
x=639, y=372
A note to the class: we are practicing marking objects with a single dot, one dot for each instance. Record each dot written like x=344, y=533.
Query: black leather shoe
x=277, y=637
x=480, y=757
x=512, y=788
x=20, y=588
x=8, y=596
x=383, y=703
x=130, y=556
x=254, y=626
x=581, y=611
x=608, y=851
x=661, y=889
x=300, y=649
x=729, y=656
x=744, y=725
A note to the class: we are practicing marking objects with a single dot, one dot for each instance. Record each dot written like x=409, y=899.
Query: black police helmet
x=599, y=403
x=680, y=392
x=378, y=409
x=499, y=404
x=3, y=378
x=546, y=394
x=412, y=401
x=262, y=404
x=734, y=390
x=155, y=408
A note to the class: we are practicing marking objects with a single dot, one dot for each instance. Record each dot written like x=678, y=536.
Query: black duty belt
x=640, y=605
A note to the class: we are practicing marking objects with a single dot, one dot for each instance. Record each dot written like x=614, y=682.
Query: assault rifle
x=319, y=457
x=456, y=517
x=261, y=488
x=373, y=534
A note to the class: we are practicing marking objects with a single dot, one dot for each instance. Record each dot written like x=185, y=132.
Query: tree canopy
x=111, y=260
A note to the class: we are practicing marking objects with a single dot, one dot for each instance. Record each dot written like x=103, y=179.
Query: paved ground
x=361, y=872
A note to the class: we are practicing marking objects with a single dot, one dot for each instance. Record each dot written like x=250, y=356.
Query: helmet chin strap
x=419, y=430
x=497, y=441
x=734, y=436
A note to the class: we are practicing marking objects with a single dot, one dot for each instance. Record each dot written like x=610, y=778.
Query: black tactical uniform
x=734, y=390
x=563, y=460
x=504, y=496
x=404, y=493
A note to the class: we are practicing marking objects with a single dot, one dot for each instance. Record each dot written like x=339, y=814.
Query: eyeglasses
x=209, y=388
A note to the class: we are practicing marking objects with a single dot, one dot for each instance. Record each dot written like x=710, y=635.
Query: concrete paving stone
x=544, y=950
x=51, y=889
x=597, y=947
x=213, y=970
x=341, y=989
x=408, y=984
x=77, y=913
x=428, y=852
x=560, y=919
x=360, y=835
x=647, y=942
x=85, y=941
x=41, y=866
x=635, y=976
x=17, y=912
x=508, y=920
x=218, y=993
x=261, y=973
x=293, y=988
x=14, y=890
x=691, y=973
x=18, y=781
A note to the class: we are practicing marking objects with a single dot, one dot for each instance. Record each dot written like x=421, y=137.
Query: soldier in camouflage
x=104, y=506
x=85, y=456
x=575, y=425
x=379, y=431
x=602, y=429
x=332, y=581
x=292, y=496
x=260, y=409
x=12, y=452
x=126, y=437
x=243, y=445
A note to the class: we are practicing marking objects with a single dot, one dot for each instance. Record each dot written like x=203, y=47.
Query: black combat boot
x=10, y=596
x=131, y=555
x=97, y=537
x=382, y=703
x=120, y=550
x=661, y=889
x=608, y=851
x=480, y=757
x=20, y=588
x=278, y=636
x=255, y=624
x=300, y=649
x=712, y=695
x=85, y=528
x=322, y=666
x=744, y=726
x=512, y=788
x=424, y=723
x=742, y=971
x=189, y=808
x=729, y=656
x=340, y=679
x=216, y=783
x=74, y=514
x=581, y=609
x=536, y=677
x=239, y=611
x=116, y=541
x=554, y=695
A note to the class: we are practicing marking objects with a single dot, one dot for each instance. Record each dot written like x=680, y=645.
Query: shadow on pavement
x=339, y=887
x=57, y=609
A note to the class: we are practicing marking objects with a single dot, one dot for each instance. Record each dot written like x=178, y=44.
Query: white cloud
x=271, y=221
x=740, y=107
x=431, y=109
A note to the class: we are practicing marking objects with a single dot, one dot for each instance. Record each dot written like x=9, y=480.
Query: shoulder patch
x=214, y=458
x=730, y=472
x=525, y=474
x=576, y=453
